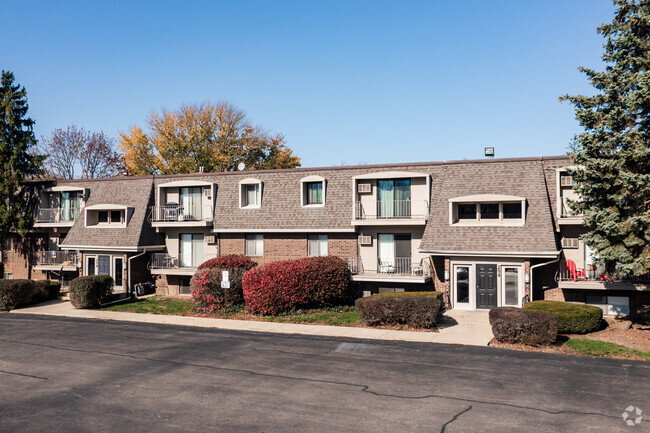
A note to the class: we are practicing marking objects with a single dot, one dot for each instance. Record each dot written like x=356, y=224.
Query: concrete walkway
x=456, y=326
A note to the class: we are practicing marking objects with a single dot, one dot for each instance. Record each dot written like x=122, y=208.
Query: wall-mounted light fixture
x=446, y=275
x=527, y=278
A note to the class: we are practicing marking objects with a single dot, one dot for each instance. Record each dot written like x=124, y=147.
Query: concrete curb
x=469, y=328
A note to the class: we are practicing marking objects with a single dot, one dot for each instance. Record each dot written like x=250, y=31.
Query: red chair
x=575, y=272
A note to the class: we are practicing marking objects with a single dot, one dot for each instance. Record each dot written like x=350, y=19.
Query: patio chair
x=575, y=272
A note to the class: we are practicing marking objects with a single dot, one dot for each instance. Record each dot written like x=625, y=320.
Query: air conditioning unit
x=365, y=240
x=212, y=239
x=364, y=187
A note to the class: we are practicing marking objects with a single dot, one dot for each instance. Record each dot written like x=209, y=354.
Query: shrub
x=289, y=285
x=229, y=262
x=45, y=290
x=15, y=294
x=90, y=291
x=514, y=325
x=573, y=318
x=416, y=309
x=207, y=293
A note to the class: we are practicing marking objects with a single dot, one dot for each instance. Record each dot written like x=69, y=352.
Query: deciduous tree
x=216, y=137
x=612, y=155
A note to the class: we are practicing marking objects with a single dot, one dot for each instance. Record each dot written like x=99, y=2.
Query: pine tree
x=17, y=159
x=612, y=156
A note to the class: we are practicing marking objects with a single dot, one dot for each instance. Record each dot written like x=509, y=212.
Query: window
x=466, y=211
x=90, y=268
x=191, y=250
x=116, y=216
x=250, y=193
x=394, y=200
x=119, y=271
x=102, y=216
x=254, y=245
x=105, y=217
x=495, y=212
x=316, y=245
x=314, y=193
x=9, y=276
x=190, y=201
x=570, y=242
x=566, y=180
x=511, y=285
x=462, y=284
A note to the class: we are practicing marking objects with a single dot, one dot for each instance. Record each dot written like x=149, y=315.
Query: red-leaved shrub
x=228, y=262
x=207, y=293
x=288, y=285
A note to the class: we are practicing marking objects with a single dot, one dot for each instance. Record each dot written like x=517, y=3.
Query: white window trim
x=242, y=184
x=319, y=241
x=312, y=179
x=128, y=211
x=500, y=222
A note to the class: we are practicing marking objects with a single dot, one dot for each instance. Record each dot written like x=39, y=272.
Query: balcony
x=568, y=216
x=56, y=217
x=403, y=269
x=391, y=212
x=173, y=215
x=56, y=261
x=166, y=264
x=571, y=276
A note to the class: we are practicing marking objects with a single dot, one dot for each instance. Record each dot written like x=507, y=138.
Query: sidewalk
x=456, y=327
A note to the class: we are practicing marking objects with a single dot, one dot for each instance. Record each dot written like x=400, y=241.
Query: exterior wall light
x=527, y=278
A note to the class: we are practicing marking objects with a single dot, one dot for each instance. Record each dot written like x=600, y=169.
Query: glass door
x=386, y=199
x=118, y=271
x=191, y=250
x=511, y=286
x=190, y=198
x=394, y=200
x=386, y=253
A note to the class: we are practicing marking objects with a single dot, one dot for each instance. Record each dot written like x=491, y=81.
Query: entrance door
x=486, y=286
x=103, y=265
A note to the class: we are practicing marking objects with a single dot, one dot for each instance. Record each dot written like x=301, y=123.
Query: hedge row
x=209, y=296
x=572, y=318
x=229, y=262
x=20, y=293
x=514, y=325
x=90, y=291
x=416, y=309
x=288, y=285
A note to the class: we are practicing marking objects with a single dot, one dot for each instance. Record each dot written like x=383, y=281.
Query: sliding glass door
x=190, y=198
x=394, y=200
x=191, y=250
x=394, y=253
x=69, y=206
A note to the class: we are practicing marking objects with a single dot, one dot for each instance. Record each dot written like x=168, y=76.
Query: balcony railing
x=392, y=210
x=57, y=215
x=567, y=212
x=389, y=266
x=179, y=213
x=167, y=261
x=570, y=271
x=56, y=258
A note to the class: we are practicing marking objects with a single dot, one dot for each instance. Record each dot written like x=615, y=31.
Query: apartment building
x=487, y=233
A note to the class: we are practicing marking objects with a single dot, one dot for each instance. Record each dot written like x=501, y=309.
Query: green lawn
x=155, y=305
x=603, y=348
x=326, y=316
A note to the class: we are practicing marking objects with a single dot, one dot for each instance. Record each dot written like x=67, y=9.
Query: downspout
x=144, y=251
x=531, y=273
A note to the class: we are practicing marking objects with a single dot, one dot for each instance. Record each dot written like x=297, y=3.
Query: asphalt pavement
x=82, y=375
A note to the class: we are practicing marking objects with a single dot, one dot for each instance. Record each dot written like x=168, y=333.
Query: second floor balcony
x=173, y=214
x=388, y=268
x=391, y=212
x=180, y=264
x=56, y=216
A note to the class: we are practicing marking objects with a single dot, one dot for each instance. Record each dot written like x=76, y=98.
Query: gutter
x=144, y=251
x=557, y=259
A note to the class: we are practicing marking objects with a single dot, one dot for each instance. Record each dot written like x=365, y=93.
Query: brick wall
x=20, y=256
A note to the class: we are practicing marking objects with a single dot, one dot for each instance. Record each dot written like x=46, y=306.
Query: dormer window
x=312, y=193
x=250, y=193
x=107, y=215
x=487, y=209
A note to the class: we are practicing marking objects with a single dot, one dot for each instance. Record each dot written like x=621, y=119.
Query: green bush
x=90, y=291
x=209, y=296
x=572, y=318
x=15, y=294
x=416, y=309
x=45, y=290
x=514, y=325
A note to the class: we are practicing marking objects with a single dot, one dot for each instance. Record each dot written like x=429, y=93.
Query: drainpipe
x=531, y=273
x=144, y=251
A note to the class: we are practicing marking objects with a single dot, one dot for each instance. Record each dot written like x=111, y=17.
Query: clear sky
x=346, y=82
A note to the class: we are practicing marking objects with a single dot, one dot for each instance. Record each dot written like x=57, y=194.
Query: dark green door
x=486, y=286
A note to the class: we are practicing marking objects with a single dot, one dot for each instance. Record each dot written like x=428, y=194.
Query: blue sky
x=346, y=82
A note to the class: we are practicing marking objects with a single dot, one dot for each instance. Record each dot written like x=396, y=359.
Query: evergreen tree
x=612, y=155
x=18, y=162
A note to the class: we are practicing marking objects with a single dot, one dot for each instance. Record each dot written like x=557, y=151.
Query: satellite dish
x=241, y=166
